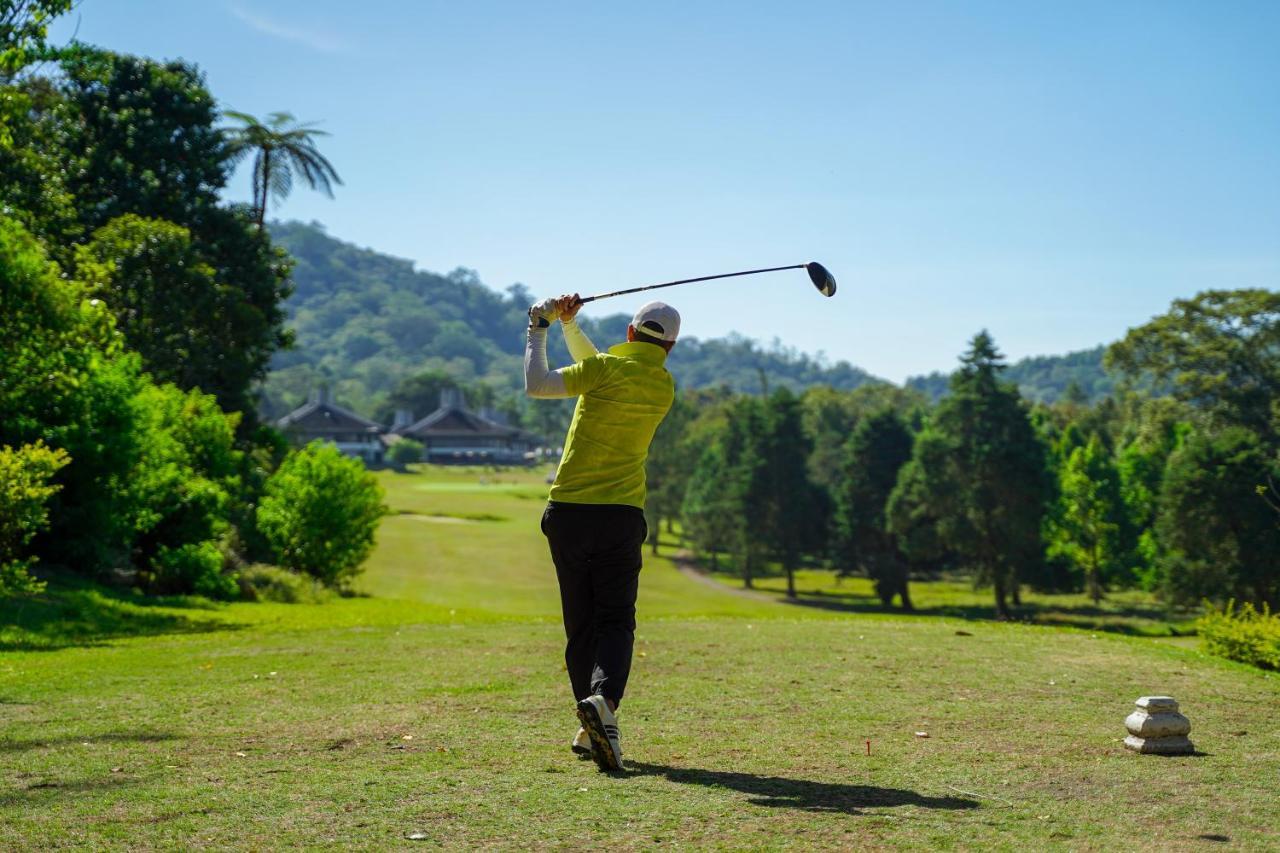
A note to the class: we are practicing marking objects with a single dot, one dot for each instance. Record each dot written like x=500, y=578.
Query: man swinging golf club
x=594, y=520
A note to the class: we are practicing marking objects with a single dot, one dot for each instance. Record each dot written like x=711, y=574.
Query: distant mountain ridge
x=363, y=321
x=1041, y=378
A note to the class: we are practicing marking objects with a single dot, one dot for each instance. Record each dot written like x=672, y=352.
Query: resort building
x=451, y=435
x=321, y=418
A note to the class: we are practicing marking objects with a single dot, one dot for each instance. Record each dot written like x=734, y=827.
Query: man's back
x=623, y=395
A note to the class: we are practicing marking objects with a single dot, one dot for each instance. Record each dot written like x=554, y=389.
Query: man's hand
x=542, y=313
x=568, y=305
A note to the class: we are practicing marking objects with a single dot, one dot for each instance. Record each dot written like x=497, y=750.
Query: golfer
x=594, y=521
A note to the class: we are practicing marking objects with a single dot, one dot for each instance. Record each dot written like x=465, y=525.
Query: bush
x=1244, y=635
x=320, y=513
x=24, y=488
x=183, y=486
x=194, y=567
x=403, y=452
x=261, y=582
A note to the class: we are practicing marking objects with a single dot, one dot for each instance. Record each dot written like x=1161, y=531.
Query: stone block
x=1156, y=728
x=1157, y=704
x=1177, y=745
x=1164, y=724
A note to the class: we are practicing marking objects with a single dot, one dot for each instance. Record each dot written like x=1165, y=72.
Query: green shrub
x=193, y=567
x=403, y=452
x=320, y=513
x=1244, y=635
x=184, y=483
x=24, y=489
x=261, y=582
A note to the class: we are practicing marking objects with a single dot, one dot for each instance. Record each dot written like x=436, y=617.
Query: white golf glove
x=543, y=313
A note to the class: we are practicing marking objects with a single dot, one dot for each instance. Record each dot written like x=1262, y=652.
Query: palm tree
x=280, y=145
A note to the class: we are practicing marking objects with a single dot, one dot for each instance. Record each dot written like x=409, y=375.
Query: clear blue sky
x=1054, y=172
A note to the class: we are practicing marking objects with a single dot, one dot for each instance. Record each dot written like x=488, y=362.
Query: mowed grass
x=438, y=707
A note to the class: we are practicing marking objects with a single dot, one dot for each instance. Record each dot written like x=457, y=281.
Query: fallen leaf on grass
x=116, y=769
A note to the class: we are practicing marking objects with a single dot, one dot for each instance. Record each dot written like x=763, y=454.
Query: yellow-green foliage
x=1244, y=635
x=24, y=489
x=262, y=582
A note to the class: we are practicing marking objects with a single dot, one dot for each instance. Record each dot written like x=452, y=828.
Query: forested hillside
x=365, y=322
x=1042, y=378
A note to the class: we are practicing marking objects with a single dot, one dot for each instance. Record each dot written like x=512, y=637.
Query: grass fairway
x=438, y=706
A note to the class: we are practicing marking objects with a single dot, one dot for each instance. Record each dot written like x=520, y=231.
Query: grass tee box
x=435, y=708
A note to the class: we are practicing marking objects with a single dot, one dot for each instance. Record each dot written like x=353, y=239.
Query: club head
x=821, y=279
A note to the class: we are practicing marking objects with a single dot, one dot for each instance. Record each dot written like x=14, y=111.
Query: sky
x=1055, y=173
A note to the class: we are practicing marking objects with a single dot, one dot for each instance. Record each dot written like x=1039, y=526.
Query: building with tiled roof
x=451, y=435
x=322, y=419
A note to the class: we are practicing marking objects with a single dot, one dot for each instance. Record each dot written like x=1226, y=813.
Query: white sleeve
x=579, y=344
x=538, y=380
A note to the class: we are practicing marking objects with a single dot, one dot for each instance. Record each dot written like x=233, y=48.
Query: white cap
x=657, y=319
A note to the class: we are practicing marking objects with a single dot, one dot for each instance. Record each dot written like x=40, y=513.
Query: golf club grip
x=584, y=300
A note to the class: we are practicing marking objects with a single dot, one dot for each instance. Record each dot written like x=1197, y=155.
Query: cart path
x=688, y=567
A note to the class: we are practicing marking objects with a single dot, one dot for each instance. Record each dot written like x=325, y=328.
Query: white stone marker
x=1157, y=728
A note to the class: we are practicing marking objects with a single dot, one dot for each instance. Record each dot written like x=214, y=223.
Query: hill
x=364, y=321
x=1042, y=378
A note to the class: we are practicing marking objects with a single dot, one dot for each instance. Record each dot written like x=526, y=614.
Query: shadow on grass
x=15, y=745
x=74, y=611
x=1087, y=616
x=802, y=794
x=45, y=788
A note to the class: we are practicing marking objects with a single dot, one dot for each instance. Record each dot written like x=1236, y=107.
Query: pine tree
x=667, y=468
x=978, y=484
x=726, y=501
x=747, y=485
x=707, y=513
x=873, y=456
x=791, y=521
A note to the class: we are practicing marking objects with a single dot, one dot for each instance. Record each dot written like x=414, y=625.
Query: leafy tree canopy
x=24, y=26
x=1220, y=351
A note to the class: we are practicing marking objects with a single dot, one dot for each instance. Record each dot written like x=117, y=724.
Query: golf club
x=818, y=274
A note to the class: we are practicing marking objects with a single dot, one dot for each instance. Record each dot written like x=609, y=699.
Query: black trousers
x=596, y=549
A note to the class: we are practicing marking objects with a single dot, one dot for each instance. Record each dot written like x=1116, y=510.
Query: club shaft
x=587, y=299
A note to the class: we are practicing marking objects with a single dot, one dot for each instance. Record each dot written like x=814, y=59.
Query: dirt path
x=688, y=567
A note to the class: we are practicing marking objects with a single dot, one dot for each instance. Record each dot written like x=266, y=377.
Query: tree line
x=1172, y=493
x=138, y=314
